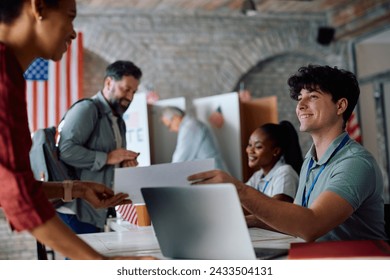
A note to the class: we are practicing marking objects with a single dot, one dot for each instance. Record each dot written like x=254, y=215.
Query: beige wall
x=368, y=122
x=372, y=58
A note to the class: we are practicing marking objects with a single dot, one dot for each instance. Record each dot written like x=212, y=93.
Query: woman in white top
x=274, y=150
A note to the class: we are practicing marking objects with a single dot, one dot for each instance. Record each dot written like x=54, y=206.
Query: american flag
x=128, y=212
x=353, y=128
x=51, y=87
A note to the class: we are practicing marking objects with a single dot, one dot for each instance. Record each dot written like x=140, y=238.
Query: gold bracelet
x=68, y=186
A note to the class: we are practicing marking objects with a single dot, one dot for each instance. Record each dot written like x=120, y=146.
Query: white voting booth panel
x=137, y=128
x=229, y=135
x=163, y=141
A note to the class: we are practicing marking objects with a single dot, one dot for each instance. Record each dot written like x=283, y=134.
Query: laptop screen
x=199, y=222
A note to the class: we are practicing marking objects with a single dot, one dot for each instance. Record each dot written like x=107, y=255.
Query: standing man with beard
x=93, y=141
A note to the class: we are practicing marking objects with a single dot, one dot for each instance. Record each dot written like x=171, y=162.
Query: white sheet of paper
x=130, y=180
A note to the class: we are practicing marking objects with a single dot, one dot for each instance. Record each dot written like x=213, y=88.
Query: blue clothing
x=281, y=179
x=86, y=138
x=195, y=141
x=353, y=174
x=76, y=225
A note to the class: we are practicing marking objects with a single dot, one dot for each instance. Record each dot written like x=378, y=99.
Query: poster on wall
x=163, y=141
x=222, y=114
x=137, y=128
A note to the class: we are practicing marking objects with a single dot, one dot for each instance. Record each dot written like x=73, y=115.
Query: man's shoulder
x=356, y=159
x=86, y=106
x=191, y=121
x=356, y=149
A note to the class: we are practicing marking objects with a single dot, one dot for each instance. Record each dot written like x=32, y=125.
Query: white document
x=130, y=180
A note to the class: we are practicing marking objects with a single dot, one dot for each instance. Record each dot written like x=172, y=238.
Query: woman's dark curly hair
x=10, y=9
x=336, y=82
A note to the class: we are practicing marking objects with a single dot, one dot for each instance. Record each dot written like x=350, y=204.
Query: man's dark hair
x=10, y=9
x=121, y=68
x=336, y=82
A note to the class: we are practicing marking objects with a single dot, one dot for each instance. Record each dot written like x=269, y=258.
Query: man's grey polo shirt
x=353, y=174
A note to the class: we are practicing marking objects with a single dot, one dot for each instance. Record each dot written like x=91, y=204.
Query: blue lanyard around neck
x=305, y=198
x=266, y=185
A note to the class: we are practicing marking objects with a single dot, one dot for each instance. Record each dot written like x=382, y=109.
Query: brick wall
x=15, y=246
x=197, y=55
x=202, y=55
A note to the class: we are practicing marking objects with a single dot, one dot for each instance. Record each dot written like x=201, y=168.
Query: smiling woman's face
x=55, y=30
x=260, y=150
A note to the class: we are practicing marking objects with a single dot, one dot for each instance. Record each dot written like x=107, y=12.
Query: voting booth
x=230, y=120
x=227, y=133
x=254, y=113
x=137, y=128
x=163, y=141
x=239, y=119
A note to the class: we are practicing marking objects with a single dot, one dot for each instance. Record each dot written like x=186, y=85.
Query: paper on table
x=135, y=241
x=262, y=238
x=130, y=180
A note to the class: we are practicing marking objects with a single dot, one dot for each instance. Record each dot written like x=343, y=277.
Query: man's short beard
x=117, y=107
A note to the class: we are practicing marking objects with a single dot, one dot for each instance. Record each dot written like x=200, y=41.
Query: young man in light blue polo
x=341, y=186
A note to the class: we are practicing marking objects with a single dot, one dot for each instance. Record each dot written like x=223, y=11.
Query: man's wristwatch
x=68, y=186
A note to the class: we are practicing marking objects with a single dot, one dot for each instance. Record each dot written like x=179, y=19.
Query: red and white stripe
x=353, y=128
x=47, y=101
x=128, y=212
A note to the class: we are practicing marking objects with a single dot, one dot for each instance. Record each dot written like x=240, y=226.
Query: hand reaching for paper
x=211, y=177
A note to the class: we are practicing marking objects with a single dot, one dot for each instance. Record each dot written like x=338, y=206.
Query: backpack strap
x=94, y=101
x=97, y=105
x=37, y=155
x=95, y=132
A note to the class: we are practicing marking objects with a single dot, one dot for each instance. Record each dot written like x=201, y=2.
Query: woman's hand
x=98, y=195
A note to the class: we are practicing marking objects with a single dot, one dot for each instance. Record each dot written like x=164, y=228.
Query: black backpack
x=44, y=154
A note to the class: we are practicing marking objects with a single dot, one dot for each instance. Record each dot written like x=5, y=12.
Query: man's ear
x=342, y=105
x=108, y=83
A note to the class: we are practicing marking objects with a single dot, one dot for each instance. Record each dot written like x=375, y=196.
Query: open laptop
x=201, y=222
